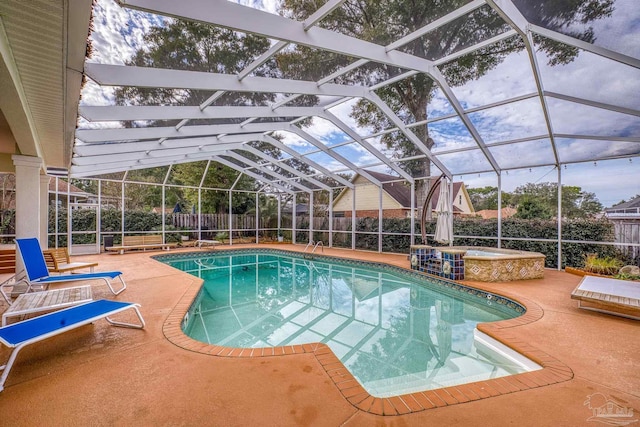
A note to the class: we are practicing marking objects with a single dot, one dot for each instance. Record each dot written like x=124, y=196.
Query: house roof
x=398, y=190
x=402, y=193
x=493, y=213
x=436, y=195
x=301, y=208
x=63, y=186
x=631, y=204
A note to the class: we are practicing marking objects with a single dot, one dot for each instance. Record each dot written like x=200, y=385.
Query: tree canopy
x=185, y=45
x=539, y=201
x=487, y=198
x=383, y=22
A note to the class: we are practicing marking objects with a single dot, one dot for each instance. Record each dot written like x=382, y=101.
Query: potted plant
x=606, y=266
x=222, y=236
x=280, y=236
x=597, y=266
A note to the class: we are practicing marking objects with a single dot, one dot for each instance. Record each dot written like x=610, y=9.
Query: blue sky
x=118, y=33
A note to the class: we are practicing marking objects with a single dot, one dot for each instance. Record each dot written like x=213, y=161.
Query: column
x=44, y=206
x=28, y=199
x=28, y=207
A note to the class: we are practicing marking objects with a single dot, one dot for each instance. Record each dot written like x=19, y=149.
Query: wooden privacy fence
x=213, y=221
x=248, y=222
x=627, y=232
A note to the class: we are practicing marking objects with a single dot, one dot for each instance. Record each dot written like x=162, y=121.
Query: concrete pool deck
x=100, y=375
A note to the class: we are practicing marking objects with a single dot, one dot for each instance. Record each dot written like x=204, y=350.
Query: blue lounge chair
x=21, y=334
x=38, y=274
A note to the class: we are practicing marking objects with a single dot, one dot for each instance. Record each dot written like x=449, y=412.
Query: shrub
x=608, y=266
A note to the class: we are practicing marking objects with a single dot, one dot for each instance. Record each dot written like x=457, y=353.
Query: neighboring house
x=159, y=210
x=626, y=210
x=79, y=197
x=63, y=188
x=302, y=209
x=507, y=212
x=396, y=198
x=626, y=222
x=57, y=192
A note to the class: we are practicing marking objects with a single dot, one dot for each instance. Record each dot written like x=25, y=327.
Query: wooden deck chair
x=58, y=261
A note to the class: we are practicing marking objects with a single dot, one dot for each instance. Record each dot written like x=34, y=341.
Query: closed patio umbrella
x=444, y=209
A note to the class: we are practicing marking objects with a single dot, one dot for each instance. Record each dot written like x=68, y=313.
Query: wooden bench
x=150, y=241
x=39, y=302
x=58, y=261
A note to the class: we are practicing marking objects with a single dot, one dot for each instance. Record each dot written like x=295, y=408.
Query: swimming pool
x=391, y=328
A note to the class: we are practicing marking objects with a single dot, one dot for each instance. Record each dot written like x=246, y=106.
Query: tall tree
x=184, y=45
x=383, y=22
x=541, y=201
x=529, y=208
x=487, y=198
x=217, y=176
x=7, y=201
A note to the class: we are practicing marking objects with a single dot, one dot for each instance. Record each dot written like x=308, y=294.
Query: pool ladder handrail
x=315, y=246
x=311, y=242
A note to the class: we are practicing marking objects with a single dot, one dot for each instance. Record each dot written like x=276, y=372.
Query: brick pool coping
x=553, y=371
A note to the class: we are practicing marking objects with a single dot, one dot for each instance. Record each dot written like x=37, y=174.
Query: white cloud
x=593, y=77
x=118, y=31
x=511, y=78
x=270, y=6
x=325, y=131
x=295, y=142
x=611, y=181
x=618, y=32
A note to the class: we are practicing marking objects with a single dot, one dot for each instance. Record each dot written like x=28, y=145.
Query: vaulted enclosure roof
x=312, y=95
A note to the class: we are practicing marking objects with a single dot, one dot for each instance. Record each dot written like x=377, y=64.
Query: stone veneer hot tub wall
x=503, y=265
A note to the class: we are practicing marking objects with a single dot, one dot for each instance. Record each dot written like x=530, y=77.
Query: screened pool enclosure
x=248, y=121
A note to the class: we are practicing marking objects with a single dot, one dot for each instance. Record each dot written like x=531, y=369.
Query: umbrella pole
x=451, y=195
x=423, y=217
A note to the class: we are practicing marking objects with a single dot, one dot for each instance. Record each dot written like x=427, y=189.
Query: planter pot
x=280, y=239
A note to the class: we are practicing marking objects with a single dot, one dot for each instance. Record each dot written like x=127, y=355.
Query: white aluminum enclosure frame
x=102, y=151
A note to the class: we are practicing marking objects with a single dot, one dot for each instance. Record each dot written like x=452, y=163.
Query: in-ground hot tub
x=482, y=264
x=501, y=265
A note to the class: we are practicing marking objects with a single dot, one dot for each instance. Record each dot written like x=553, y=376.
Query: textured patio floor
x=101, y=375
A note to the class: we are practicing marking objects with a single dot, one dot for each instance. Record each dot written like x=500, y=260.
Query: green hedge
x=111, y=222
x=572, y=253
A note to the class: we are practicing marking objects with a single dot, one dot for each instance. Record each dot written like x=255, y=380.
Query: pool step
x=448, y=375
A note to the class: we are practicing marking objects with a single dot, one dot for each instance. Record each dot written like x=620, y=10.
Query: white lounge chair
x=203, y=242
x=21, y=334
x=611, y=296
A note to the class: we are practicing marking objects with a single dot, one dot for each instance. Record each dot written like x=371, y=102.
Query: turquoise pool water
x=395, y=330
